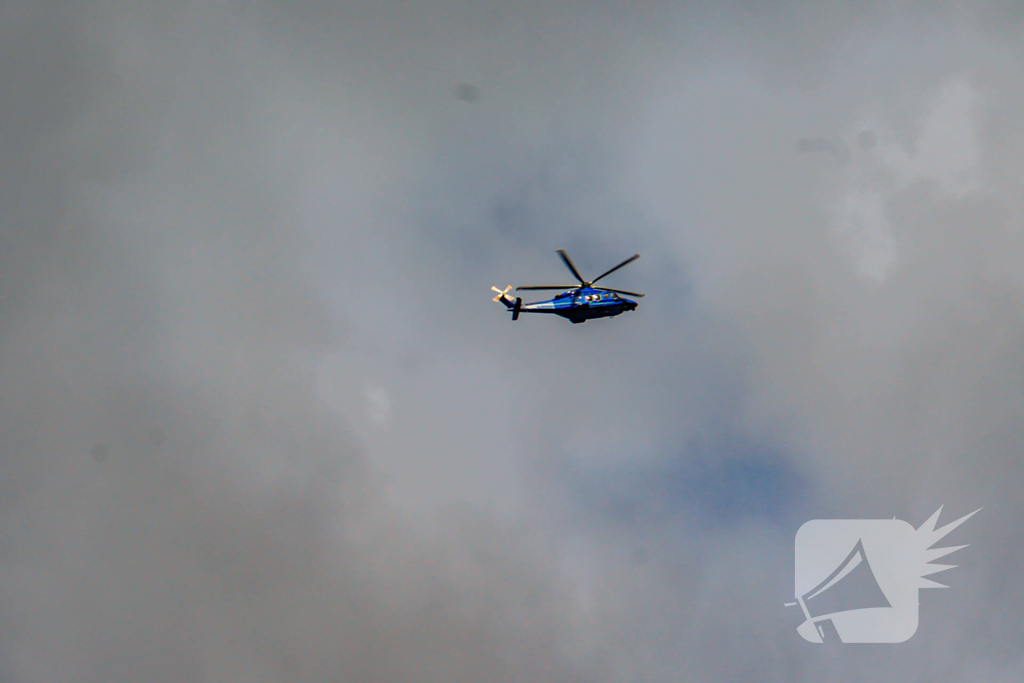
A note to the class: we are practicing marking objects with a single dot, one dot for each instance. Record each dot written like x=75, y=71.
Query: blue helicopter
x=577, y=304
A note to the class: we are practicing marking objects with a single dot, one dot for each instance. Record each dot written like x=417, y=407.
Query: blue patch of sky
x=733, y=477
x=720, y=480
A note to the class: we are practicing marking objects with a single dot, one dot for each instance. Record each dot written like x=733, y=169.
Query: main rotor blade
x=562, y=287
x=619, y=291
x=570, y=266
x=632, y=258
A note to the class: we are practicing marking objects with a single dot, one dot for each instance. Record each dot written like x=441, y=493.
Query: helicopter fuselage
x=578, y=305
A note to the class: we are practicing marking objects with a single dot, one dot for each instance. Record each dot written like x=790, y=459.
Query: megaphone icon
x=840, y=593
x=851, y=586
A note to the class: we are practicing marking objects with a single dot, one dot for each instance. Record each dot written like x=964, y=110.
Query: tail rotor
x=501, y=294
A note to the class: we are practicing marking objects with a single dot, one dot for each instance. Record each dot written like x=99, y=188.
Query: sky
x=261, y=421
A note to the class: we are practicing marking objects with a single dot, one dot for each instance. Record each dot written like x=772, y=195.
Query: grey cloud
x=206, y=205
x=839, y=149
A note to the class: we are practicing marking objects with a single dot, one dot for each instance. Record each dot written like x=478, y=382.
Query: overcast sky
x=260, y=421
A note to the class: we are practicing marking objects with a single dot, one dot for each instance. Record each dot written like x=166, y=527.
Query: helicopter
x=576, y=303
